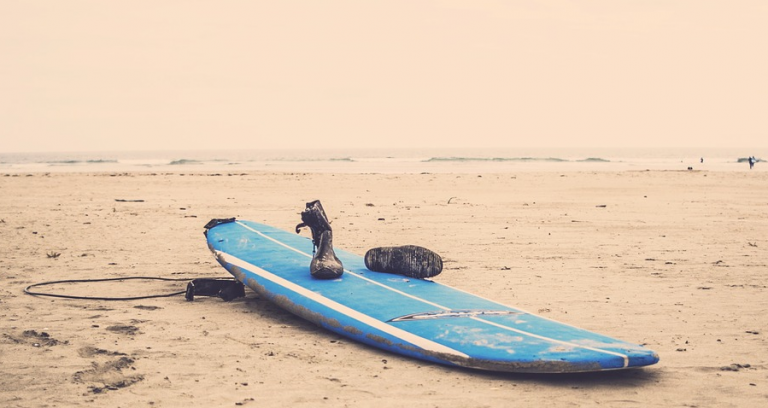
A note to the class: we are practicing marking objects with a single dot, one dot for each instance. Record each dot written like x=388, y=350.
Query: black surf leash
x=225, y=288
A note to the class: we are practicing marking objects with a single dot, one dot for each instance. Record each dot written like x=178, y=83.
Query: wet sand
x=674, y=260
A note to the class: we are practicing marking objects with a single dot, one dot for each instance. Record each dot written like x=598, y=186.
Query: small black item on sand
x=409, y=260
x=325, y=264
x=227, y=289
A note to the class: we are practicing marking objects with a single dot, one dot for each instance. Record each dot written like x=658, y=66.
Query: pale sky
x=147, y=75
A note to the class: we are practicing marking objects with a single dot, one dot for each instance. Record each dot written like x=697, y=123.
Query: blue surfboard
x=412, y=317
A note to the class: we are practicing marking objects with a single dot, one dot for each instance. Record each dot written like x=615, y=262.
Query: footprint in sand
x=88, y=352
x=34, y=339
x=108, y=376
x=124, y=329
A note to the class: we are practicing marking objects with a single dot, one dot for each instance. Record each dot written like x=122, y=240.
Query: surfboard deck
x=417, y=318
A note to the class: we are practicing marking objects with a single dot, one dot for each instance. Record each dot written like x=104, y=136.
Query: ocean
x=388, y=161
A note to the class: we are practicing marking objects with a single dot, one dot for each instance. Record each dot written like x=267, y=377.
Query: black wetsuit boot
x=409, y=260
x=325, y=264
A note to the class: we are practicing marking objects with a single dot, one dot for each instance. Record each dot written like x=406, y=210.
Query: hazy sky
x=138, y=75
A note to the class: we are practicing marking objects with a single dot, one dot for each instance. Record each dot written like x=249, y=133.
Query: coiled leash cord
x=225, y=288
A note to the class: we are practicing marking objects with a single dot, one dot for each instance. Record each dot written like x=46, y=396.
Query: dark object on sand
x=28, y=290
x=409, y=260
x=227, y=289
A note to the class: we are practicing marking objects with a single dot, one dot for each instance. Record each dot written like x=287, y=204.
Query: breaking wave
x=184, y=162
x=73, y=162
x=515, y=159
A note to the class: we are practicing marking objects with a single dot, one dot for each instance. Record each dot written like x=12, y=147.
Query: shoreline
x=392, y=161
x=390, y=169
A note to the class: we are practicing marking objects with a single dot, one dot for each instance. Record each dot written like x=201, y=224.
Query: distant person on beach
x=751, y=162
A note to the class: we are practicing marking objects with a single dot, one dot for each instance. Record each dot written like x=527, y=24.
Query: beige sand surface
x=673, y=260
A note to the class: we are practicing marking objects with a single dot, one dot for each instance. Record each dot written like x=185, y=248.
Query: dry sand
x=673, y=260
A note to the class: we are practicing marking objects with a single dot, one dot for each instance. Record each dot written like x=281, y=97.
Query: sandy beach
x=674, y=260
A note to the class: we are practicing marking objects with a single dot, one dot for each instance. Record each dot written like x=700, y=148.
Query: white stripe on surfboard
x=624, y=356
x=418, y=341
x=566, y=343
x=570, y=344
